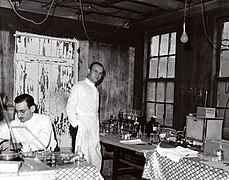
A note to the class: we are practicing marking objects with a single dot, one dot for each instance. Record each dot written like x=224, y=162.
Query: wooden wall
x=117, y=87
x=193, y=73
x=6, y=63
x=116, y=90
x=115, y=52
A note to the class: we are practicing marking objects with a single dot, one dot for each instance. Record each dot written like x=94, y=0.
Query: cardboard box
x=205, y=112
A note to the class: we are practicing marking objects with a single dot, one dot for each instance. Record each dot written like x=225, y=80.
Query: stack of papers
x=132, y=141
x=10, y=166
x=175, y=154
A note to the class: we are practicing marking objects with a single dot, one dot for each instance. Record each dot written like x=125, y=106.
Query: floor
x=130, y=175
x=124, y=177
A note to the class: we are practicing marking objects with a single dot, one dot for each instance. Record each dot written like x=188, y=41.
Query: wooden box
x=205, y=112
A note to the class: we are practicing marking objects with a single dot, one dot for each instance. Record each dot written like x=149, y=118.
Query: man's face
x=95, y=73
x=24, y=113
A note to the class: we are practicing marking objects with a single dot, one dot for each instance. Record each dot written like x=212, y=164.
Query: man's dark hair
x=100, y=64
x=25, y=97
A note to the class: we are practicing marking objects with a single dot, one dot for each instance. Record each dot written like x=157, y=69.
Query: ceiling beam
x=165, y=4
x=107, y=3
x=41, y=7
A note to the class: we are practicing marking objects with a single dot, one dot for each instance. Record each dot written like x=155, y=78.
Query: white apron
x=82, y=110
x=88, y=138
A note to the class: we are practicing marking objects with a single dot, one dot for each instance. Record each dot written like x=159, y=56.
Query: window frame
x=218, y=79
x=164, y=80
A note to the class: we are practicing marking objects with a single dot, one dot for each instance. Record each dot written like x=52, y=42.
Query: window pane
x=162, y=67
x=169, y=115
x=151, y=91
x=153, y=68
x=171, y=67
x=225, y=36
x=170, y=92
x=160, y=97
x=150, y=110
x=221, y=113
x=160, y=113
x=154, y=46
x=222, y=96
x=173, y=44
x=224, y=64
x=164, y=44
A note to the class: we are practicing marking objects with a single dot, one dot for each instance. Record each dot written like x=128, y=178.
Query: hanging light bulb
x=184, y=36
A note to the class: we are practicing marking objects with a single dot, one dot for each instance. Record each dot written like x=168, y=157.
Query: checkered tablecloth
x=82, y=171
x=161, y=168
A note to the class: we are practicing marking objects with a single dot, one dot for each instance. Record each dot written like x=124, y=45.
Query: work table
x=131, y=156
x=160, y=167
x=32, y=168
x=115, y=140
x=188, y=168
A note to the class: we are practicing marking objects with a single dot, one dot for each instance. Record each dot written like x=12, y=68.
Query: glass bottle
x=139, y=134
x=219, y=153
x=158, y=131
x=144, y=133
x=80, y=153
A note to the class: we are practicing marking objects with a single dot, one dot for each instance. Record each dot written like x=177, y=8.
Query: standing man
x=34, y=131
x=82, y=110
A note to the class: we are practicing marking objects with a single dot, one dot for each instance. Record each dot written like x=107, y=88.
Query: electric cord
x=30, y=20
x=116, y=30
x=205, y=30
x=83, y=20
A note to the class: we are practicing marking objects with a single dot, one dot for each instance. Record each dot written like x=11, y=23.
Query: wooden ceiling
x=112, y=12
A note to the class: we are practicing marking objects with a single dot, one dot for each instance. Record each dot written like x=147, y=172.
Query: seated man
x=32, y=130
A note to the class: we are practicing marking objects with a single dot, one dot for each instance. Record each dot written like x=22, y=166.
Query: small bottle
x=154, y=124
x=158, y=132
x=144, y=133
x=154, y=129
x=139, y=134
x=219, y=153
x=158, y=128
x=120, y=115
x=80, y=153
x=53, y=159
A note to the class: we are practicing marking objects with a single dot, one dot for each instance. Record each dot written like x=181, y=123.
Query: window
x=160, y=82
x=222, y=103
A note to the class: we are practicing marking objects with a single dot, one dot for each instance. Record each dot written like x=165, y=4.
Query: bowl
x=8, y=155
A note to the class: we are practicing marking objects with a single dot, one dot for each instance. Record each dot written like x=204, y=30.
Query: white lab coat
x=82, y=111
x=34, y=134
